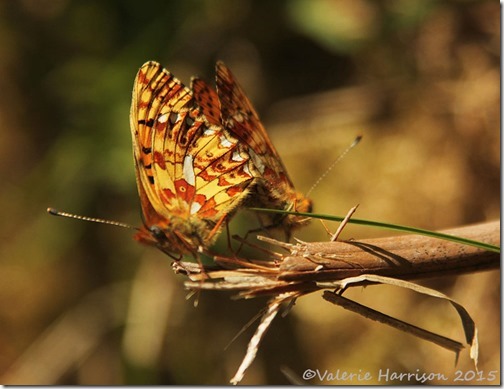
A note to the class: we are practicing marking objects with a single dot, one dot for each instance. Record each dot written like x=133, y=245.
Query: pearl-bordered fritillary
x=192, y=173
x=234, y=111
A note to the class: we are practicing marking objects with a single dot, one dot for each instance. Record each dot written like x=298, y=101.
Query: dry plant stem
x=404, y=257
x=253, y=346
x=336, y=235
x=393, y=322
x=307, y=265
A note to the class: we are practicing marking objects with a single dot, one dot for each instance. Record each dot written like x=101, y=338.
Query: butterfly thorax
x=285, y=199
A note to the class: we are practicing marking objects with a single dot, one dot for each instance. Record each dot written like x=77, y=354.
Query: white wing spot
x=163, y=118
x=225, y=142
x=188, y=170
x=237, y=157
x=195, y=207
x=239, y=117
x=257, y=161
x=247, y=170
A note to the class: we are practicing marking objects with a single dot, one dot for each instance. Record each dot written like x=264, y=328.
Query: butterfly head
x=298, y=203
x=172, y=239
x=302, y=203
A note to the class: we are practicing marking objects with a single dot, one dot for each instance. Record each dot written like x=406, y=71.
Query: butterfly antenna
x=341, y=156
x=55, y=212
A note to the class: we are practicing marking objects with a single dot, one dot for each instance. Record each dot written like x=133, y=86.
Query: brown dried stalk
x=403, y=257
x=313, y=266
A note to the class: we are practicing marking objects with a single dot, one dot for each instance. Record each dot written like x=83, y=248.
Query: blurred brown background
x=82, y=303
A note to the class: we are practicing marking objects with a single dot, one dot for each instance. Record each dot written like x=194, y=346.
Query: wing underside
x=185, y=164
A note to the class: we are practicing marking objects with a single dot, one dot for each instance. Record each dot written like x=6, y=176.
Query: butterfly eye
x=157, y=233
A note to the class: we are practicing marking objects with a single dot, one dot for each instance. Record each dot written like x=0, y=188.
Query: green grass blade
x=396, y=227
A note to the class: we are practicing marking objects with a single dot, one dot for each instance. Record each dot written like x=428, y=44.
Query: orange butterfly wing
x=235, y=112
x=191, y=174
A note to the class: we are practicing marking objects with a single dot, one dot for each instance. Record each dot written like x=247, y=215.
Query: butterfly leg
x=261, y=228
x=229, y=244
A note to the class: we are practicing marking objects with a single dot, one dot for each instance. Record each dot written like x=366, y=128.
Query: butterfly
x=192, y=173
x=230, y=108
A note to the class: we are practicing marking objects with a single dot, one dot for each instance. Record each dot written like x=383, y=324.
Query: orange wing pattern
x=235, y=112
x=191, y=172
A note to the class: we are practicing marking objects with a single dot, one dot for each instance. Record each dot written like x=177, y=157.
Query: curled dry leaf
x=467, y=322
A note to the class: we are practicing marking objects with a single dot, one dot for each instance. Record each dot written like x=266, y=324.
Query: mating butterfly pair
x=199, y=155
